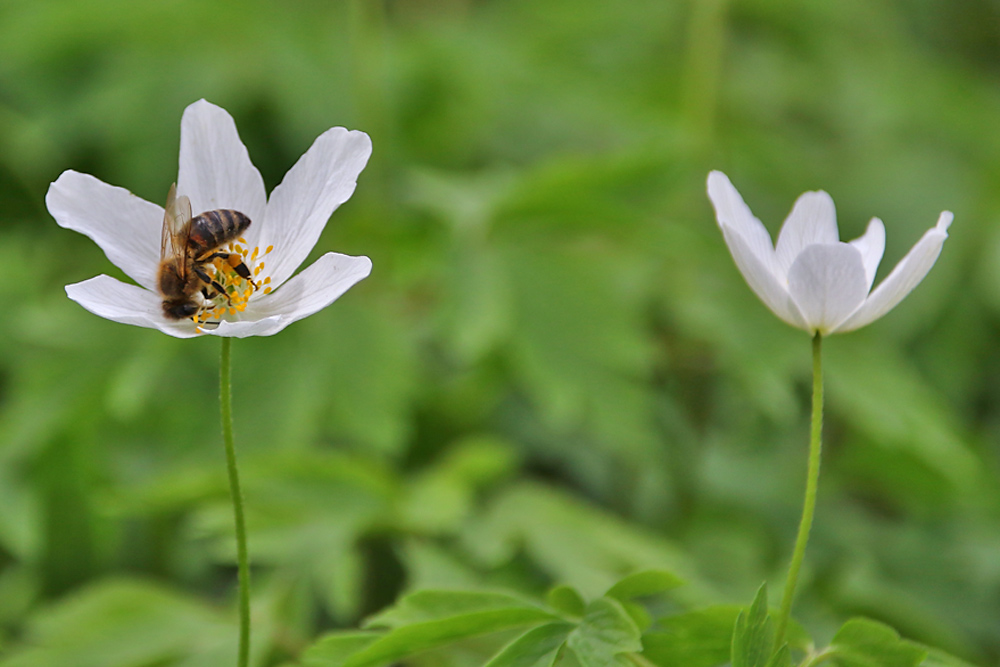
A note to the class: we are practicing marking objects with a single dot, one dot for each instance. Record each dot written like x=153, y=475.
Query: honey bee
x=188, y=247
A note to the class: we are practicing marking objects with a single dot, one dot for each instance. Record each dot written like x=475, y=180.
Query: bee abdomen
x=212, y=229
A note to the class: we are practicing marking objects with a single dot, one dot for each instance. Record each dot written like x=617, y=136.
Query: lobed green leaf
x=753, y=636
x=426, y=620
x=605, y=633
x=862, y=642
x=700, y=638
x=640, y=584
x=538, y=647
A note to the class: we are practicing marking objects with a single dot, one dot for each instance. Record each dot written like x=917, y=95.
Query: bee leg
x=209, y=280
x=235, y=261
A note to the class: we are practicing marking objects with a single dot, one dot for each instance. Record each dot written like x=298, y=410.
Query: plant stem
x=702, y=73
x=812, y=482
x=818, y=658
x=243, y=564
x=638, y=660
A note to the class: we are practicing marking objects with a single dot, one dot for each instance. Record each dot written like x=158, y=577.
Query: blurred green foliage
x=555, y=374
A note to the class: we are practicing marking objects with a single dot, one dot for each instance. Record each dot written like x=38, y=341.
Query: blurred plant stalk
x=703, y=70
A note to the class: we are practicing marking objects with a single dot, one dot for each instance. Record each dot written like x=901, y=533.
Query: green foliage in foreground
x=554, y=378
x=612, y=630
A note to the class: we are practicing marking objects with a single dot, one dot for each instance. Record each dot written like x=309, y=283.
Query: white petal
x=313, y=289
x=246, y=328
x=761, y=280
x=322, y=179
x=215, y=169
x=126, y=227
x=904, y=277
x=812, y=220
x=872, y=247
x=732, y=211
x=828, y=283
x=120, y=302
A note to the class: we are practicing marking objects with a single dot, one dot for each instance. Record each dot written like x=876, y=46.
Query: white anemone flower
x=215, y=172
x=811, y=279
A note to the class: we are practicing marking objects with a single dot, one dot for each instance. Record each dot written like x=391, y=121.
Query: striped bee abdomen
x=212, y=229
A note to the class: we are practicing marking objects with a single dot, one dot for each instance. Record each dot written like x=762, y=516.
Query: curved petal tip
x=944, y=221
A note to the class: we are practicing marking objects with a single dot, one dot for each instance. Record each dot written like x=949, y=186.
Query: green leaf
x=439, y=498
x=753, y=636
x=538, y=647
x=433, y=605
x=426, y=620
x=566, y=600
x=334, y=649
x=937, y=658
x=606, y=631
x=571, y=541
x=639, y=614
x=862, y=642
x=701, y=638
x=649, y=582
x=124, y=623
x=885, y=397
x=781, y=658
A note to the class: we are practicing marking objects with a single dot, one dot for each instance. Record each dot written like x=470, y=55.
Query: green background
x=555, y=374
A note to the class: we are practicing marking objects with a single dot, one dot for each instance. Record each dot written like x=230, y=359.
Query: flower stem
x=243, y=564
x=812, y=482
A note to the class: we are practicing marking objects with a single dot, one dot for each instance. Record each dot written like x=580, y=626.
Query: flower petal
x=215, y=169
x=114, y=300
x=827, y=282
x=872, y=247
x=126, y=227
x=813, y=220
x=310, y=291
x=732, y=211
x=322, y=179
x=761, y=280
x=246, y=328
x=904, y=277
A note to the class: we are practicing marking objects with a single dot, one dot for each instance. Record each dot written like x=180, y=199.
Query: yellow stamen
x=234, y=291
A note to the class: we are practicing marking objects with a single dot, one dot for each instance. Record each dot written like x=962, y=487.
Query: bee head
x=180, y=310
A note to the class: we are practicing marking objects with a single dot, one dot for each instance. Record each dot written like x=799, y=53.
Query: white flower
x=811, y=279
x=216, y=173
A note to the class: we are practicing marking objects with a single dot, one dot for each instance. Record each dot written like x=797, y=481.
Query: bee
x=188, y=246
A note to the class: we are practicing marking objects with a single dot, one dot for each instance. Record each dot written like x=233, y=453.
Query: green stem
x=702, y=73
x=243, y=564
x=638, y=660
x=812, y=482
x=818, y=658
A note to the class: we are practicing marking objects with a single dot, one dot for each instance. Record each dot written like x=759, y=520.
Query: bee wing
x=176, y=216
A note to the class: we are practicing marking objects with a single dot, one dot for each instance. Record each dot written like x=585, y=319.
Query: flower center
x=236, y=288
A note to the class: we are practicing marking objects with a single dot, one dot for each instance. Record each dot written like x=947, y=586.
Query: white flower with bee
x=227, y=270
